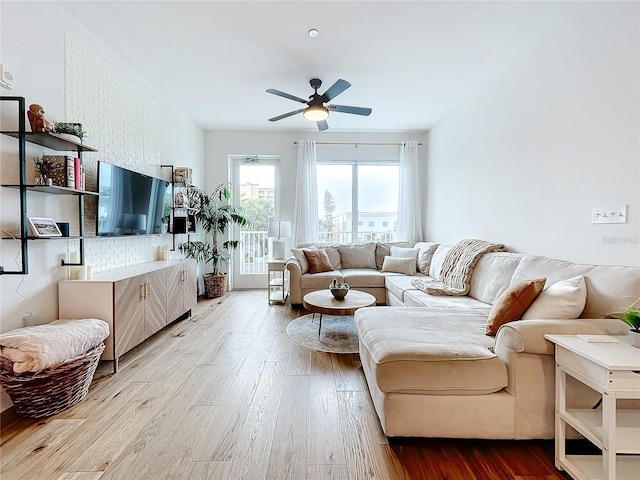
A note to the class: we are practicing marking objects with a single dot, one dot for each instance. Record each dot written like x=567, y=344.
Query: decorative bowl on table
x=338, y=290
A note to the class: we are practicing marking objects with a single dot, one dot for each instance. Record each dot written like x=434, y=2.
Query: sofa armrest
x=528, y=335
x=295, y=282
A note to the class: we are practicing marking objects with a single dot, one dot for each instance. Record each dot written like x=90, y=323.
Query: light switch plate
x=609, y=214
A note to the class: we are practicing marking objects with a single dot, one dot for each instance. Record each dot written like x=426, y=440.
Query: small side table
x=278, y=281
x=613, y=370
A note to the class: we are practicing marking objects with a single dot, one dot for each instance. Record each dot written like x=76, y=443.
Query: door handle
x=142, y=292
x=146, y=287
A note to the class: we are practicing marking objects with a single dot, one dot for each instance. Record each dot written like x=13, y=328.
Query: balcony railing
x=346, y=237
x=254, y=252
x=254, y=246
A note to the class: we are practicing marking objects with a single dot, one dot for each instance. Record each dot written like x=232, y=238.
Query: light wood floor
x=226, y=395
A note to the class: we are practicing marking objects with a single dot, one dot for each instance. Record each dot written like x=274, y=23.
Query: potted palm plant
x=216, y=216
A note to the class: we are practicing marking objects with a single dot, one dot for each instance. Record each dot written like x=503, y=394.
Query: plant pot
x=339, y=293
x=70, y=137
x=635, y=338
x=215, y=285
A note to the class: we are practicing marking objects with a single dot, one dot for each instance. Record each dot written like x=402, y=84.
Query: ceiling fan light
x=316, y=113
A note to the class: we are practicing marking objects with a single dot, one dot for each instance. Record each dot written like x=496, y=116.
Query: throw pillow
x=362, y=255
x=334, y=257
x=400, y=252
x=512, y=303
x=565, y=299
x=318, y=261
x=425, y=255
x=302, y=260
x=399, y=265
x=382, y=250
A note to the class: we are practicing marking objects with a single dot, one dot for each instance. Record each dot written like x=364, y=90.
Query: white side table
x=278, y=281
x=613, y=370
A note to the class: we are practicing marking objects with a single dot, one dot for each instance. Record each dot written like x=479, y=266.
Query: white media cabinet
x=135, y=301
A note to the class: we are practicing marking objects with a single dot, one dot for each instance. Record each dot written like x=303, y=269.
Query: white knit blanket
x=457, y=268
x=35, y=348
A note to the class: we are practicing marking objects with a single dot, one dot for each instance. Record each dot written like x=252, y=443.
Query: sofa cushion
x=429, y=352
x=425, y=254
x=362, y=255
x=319, y=281
x=302, y=259
x=437, y=261
x=318, y=261
x=399, y=284
x=406, y=266
x=334, y=257
x=512, y=303
x=610, y=289
x=417, y=298
x=492, y=275
x=363, y=277
x=401, y=252
x=382, y=250
x=564, y=299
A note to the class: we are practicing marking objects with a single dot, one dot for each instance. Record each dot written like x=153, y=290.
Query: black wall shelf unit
x=189, y=222
x=54, y=142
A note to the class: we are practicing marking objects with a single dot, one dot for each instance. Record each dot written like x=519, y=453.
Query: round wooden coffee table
x=321, y=301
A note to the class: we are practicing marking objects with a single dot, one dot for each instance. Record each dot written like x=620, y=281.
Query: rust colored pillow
x=513, y=302
x=318, y=261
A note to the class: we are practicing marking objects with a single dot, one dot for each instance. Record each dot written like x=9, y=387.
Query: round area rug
x=338, y=333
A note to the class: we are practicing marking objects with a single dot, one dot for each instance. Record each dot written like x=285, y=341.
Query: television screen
x=131, y=203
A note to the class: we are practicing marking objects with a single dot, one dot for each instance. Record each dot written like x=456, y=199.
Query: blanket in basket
x=457, y=268
x=32, y=349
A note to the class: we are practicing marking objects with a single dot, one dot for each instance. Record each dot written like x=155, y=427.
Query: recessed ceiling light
x=313, y=33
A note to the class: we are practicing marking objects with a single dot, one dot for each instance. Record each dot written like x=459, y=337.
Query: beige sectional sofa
x=432, y=371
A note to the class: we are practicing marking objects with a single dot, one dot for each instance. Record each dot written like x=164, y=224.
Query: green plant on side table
x=632, y=318
x=70, y=129
x=217, y=217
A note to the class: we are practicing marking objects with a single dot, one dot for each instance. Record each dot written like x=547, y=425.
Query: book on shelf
x=61, y=170
x=78, y=173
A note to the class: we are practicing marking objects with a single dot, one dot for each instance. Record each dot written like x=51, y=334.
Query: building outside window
x=353, y=197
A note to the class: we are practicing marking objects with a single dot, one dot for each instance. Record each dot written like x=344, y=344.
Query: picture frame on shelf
x=182, y=175
x=44, y=227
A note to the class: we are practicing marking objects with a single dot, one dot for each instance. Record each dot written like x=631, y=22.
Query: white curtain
x=305, y=212
x=409, y=223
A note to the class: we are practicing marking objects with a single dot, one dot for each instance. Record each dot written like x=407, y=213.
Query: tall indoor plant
x=216, y=216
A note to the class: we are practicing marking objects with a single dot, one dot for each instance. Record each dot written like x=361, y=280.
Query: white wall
x=220, y=144
x=33, y=43
x=524, y=159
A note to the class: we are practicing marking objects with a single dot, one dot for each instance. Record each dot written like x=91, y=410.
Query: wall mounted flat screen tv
x=131, y=203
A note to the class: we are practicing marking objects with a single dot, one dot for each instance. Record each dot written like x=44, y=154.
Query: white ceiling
x=411, y=62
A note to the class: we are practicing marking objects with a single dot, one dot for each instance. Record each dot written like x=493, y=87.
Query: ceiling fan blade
x=335, y=90
x=286, y=95
x=348, y=109
x=322, y=125
x=285, y=115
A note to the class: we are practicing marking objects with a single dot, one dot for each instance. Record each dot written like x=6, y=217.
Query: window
x=354, y=194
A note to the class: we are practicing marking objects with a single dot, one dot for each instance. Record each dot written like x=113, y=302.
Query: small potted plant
x=216, y=217
x=632, y=318
x=339, y=290
x=72, y=131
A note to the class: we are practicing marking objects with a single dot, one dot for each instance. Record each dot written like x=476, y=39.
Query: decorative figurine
x=39, y=124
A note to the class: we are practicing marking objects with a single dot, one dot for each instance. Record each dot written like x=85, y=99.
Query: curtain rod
x=359, y=143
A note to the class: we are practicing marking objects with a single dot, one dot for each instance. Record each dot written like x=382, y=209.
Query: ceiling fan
x=316, y=110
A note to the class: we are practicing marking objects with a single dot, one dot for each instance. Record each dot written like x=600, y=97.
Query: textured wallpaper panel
x=123, y=124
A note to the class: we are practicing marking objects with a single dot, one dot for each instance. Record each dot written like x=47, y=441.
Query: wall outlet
x=609, y=214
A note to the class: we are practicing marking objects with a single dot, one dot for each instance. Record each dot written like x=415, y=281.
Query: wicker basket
x=53, y=389
x=215, y=285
